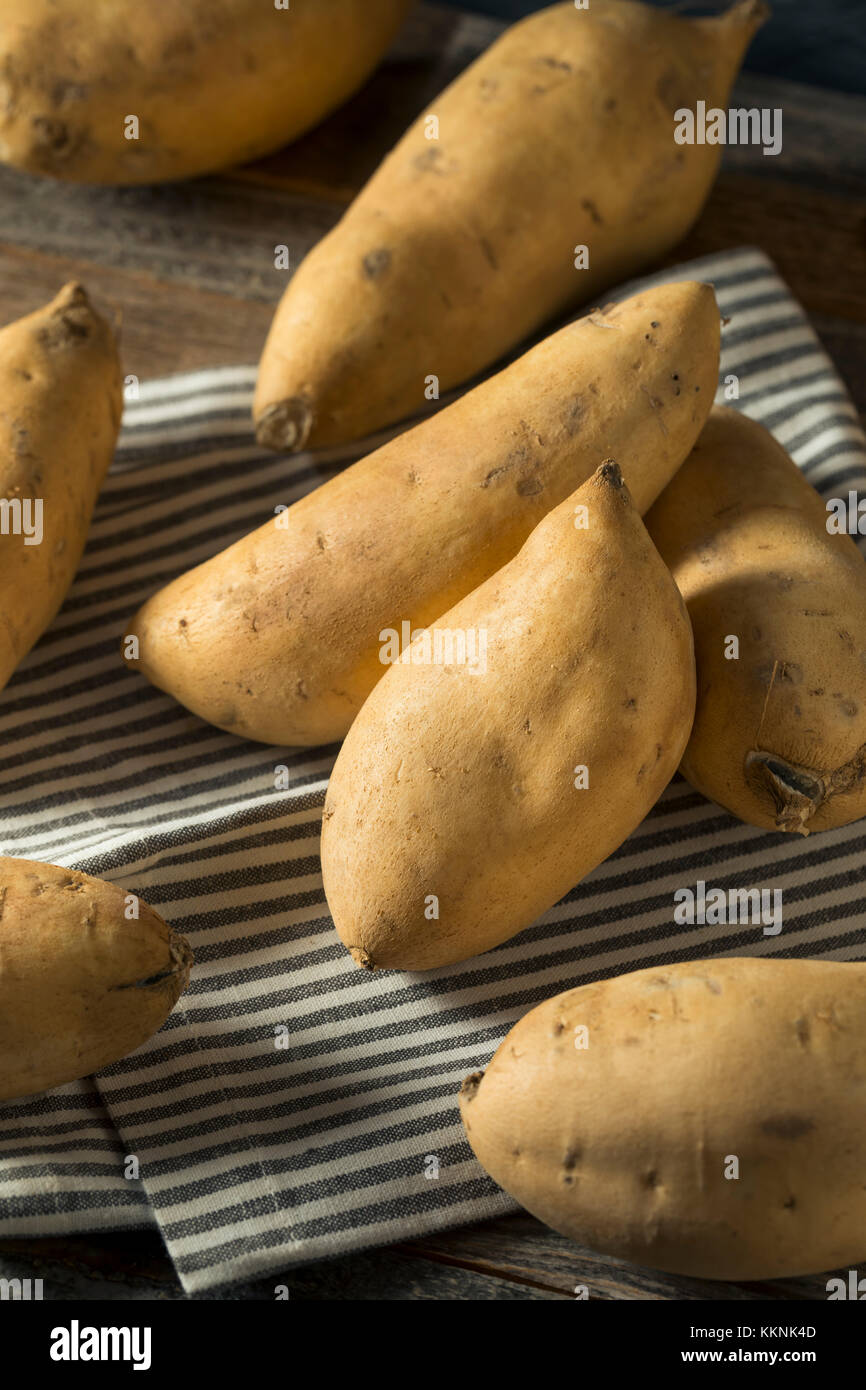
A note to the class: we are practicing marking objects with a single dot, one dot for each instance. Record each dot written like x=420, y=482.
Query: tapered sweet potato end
x=735, y=28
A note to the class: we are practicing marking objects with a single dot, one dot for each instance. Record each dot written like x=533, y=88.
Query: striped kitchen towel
x=293, y=1106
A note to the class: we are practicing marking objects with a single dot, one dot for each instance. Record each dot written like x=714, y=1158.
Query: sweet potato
x=778, y=607
x=279, y=638
x=497, y=763
x=560, y=136
x=209, y=82
x=706, y=1118
x=82, y=980
x=60, y=407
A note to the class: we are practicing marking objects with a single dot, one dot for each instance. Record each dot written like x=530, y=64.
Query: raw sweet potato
x=560, y=136
x=280, y=637
x=120, y=91
x=60, y=407
x=87, y=973
x=778, y=607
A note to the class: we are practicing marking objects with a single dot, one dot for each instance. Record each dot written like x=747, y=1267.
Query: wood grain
x=522, y=1249
x=510, y=1257
x=221, y=286
x=817, y=240
x=165, y=326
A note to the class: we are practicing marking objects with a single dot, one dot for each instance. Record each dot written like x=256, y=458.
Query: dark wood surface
x=189, y=269
x=511, y=1257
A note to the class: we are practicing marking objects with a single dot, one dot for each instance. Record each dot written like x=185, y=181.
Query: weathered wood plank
x=512, y=1257
x=134, y=1266
x=817, y=240
x=216, y=278
x=166, y=326
x=520, y=1248
x=217, y=237
x=212, y=234
x=397, y=1274
x=128, y=1266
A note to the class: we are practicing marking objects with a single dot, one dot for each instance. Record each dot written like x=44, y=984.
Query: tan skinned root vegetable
x=778, y=607
x=209, y=82
x=464, y=241
x=705, y=1118
x=514, y=748
x=83, y=981
x=279, y=638
x=60, y=407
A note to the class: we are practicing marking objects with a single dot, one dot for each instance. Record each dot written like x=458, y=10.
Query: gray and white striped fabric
x=253, y=1155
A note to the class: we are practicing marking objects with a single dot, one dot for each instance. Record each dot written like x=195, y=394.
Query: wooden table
x=191, y=269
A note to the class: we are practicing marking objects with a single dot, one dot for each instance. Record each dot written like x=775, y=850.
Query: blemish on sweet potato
x=376, y=262
x=671, y=91
x=429, y=161
x=529, y=487
x=491, y=476
x=469, y=1089
x=574, y=416
x=52, y=136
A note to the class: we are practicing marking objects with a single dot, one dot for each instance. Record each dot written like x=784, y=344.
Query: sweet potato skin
x=561, y=135
x=279, y=637
x=453, y=817
x=625, y=1143
x=780, y=730
x=60, y=406
x=81, y=983
x=212, y=82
